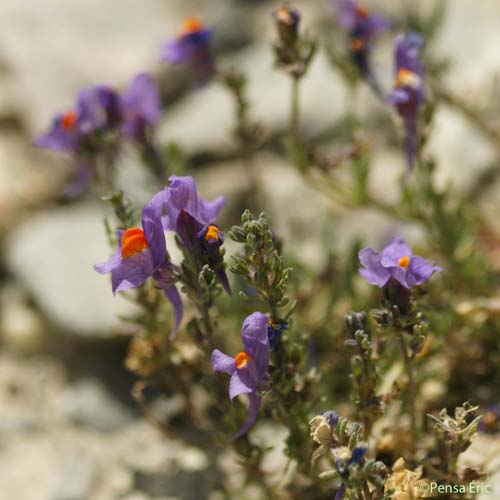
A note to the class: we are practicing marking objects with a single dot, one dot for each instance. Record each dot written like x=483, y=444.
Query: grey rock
x=87, y=403
x=76, y=479
x=53, y=254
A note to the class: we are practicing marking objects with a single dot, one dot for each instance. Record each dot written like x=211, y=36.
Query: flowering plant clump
x=324, y=325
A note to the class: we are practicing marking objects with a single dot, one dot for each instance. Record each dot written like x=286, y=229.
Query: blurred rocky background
x=69, y=429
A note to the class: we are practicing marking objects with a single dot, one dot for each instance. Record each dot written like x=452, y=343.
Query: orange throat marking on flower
x=68, y=120
x=285, y=15
x=357, y=44
x=212, y=233
x=133, y=242
x=362, y=11
x=241, y=359
x=407, y=78
x=404, y=261
x=191, y=25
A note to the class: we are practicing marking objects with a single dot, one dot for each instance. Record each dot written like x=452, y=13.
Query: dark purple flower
x=140, y=107
x=340, y=492
x=287, y=20
x=193, y=219
x=358, y=453
x=396, y=261
x=210, y=239
x=362, y=26
x=332, y=418
x=275, y=330
x=249, y=367
x=408, y=93
x=344, y=457
x=141, y=254
x=98, y=109
x=192, y=46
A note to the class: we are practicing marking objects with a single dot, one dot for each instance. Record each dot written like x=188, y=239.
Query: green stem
x=154, y=160
x=204, y=310
x=411, y=390
x=295, y=110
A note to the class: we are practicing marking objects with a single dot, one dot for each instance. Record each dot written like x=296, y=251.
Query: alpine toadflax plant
x=362, y=26
x=397, y=262
x=248, y=368
x=142, y=254
x=408, y=94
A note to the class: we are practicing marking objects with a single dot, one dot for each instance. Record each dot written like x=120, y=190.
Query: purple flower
x=141, y=254
x=275, y=330
x=140, y=106
x=210, y=239
x=96, y=110
x=397, y=262
x=181, y=196
x=408, y=93
x=63, y=134
x=193, y=219
x=249, y=367
x=363, y=27
x=193, y=46
x=356, y=17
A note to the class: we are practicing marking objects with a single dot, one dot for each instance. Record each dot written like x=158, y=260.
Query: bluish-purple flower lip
x=396, y=261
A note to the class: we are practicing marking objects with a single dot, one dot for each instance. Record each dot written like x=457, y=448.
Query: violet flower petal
x=237, y=386
x=256, y=341
x=420, y=270
x=132, y=272
x=374, y=273
x=140, y=106
x=79, y=183
x=153, y=231
x=253, y=411
x=394, y=251
x=175, y=299
x=222, y=362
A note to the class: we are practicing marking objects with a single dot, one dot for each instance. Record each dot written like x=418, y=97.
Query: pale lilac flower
x=397, y=262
